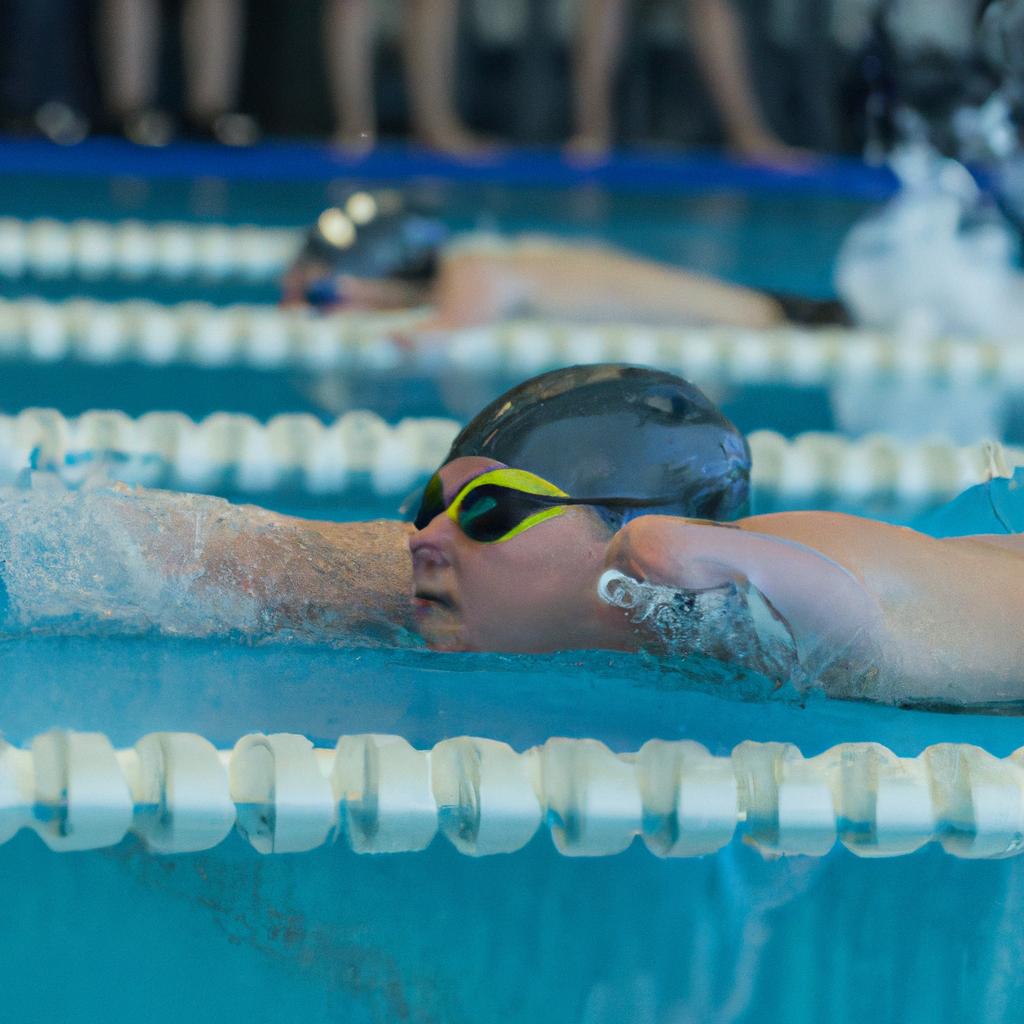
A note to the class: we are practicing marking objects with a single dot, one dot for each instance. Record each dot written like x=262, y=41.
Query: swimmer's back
x=953, y=608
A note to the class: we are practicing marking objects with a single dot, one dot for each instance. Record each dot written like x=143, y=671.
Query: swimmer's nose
x=427, y=557
x=426, y=552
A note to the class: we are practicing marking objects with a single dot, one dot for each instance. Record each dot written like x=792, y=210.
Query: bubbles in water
x=737, y=627
x=734, y=624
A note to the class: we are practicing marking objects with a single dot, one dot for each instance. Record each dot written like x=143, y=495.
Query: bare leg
x=212, y=36
x=429, y=49
x=599, y=44
x=721, y=54
x=348, y=37
x=129, y=39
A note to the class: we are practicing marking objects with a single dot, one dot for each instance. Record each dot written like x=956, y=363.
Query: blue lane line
x=304, y=161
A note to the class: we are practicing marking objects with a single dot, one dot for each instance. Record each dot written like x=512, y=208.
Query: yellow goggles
x=501, y=503
x=495, y=506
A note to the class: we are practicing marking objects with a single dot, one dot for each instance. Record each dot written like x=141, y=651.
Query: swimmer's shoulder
x=1012, y=543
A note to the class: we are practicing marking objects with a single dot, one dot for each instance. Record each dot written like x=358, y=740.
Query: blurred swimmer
x=375, y=253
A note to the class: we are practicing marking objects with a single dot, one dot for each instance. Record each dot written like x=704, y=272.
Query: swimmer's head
x=372, y=250
x=501, y=562
x=616, y=430
x=508, y=588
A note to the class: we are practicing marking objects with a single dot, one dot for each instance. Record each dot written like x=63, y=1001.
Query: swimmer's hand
x=638, y=550
x=633, y=567
x=674, y=552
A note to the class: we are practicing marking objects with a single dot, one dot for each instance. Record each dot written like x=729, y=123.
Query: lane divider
x=269, y=338
x=229, y=451
x=177, y=793
x=134, y=249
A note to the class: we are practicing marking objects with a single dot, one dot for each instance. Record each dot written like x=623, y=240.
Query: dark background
x=517, y=89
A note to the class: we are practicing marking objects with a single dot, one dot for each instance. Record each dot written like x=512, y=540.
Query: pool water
x=741, y=236
x=437, y=936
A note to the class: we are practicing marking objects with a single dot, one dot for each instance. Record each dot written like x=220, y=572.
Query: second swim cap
x=613, y=430
x=376, y=235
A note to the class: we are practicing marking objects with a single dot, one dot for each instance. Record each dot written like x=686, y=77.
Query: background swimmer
x=375, y=253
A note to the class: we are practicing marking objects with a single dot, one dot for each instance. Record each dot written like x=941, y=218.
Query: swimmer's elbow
x=671, y=552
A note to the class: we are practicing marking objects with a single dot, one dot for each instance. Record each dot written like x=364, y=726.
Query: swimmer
x=375, y=253
x=590, y=508
x=553, y=526
x=505, y=560
x=119, y=559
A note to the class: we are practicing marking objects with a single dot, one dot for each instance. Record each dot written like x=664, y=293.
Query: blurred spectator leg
x=212, y=33
x=130, y=37
x=429, y=31
x=722, y=55
x=349, y=38
x=598, y=47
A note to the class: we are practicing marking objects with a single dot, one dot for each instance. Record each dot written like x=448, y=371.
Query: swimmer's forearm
x=310, y=576
x=814, y=593
x=352, y=572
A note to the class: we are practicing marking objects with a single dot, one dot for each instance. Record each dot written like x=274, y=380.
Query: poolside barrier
x=230, y=451
x=269, y=338
x=177, y=793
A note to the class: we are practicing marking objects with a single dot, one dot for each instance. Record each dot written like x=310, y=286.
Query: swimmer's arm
x=816, y=596
x=586, y=282
x=298, y=571
x=1009, y=541
x=306, y=570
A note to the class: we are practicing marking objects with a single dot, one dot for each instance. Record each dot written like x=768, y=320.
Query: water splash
x=745, y=647
x=112, y=560
x=734, y=624
x=939, y=259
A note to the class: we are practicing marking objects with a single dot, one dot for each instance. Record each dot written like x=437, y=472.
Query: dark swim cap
x=612, y=430
x=376, y=234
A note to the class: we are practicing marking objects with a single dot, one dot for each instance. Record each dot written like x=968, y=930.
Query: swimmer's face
x=533, y=592
x=310, y=282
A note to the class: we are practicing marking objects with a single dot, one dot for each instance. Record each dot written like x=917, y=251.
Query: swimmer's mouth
x=424, y=599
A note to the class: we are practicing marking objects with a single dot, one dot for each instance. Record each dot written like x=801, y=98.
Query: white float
x=178, y=794
x=297, y=451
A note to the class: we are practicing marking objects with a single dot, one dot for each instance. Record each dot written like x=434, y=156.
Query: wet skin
x=923, y=619
x=940, y=620
x=534, y=592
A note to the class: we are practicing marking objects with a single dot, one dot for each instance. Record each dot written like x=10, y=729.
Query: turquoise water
x=742, y=237
x=120, y=934
x=439, y=937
